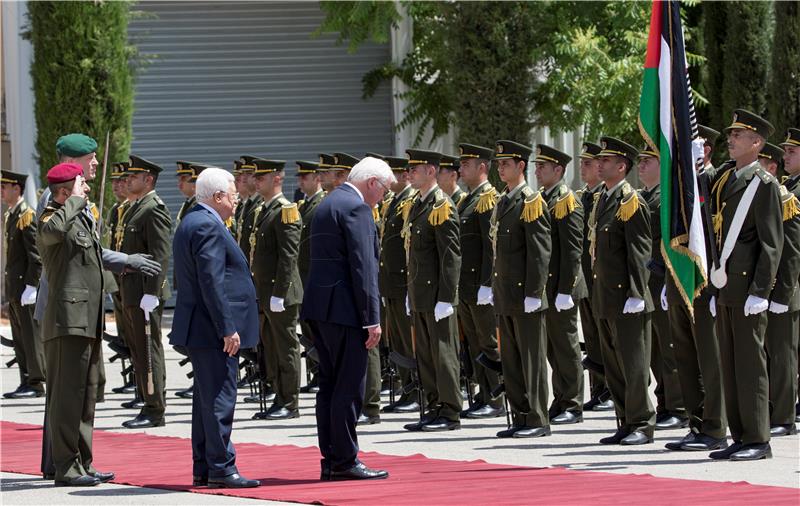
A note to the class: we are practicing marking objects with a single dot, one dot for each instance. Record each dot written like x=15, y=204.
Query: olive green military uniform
x=434, y=261
x=23, y=266
x=148, y=227
x=245, y=226
x=116, y=226
x=697, y=350
x=783, y=329
x=478, y=321
x=307, y=207
x=621, y=248
x=564, y=277
x=71, y=328
x=522, y=244
x=669, y=400
x=277, y=230
x=393, y=283
x=751, y=270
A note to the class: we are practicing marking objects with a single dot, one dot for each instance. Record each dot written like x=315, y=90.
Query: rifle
x=467, y=371
x=412, y=365
x=496, y=366
x=103, y=184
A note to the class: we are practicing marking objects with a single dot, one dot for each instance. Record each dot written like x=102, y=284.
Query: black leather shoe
x=79, y=481
x=186, y=393
x=9, y=395
x=566, y=418
x=677, y=445
x=283, y=414
x=119, y=390
x=103, y=477
x=48, y=476
x=25, y=392
x=636, y=437
x=234, y=480
x=324, y=470
x=143, y=422
x=486, y=411
x=783, y=430
x=526, y=432
x=133, y=404
x=408, y=407
x=726, y=453
x=509, y=432
x=441, y=424
x=672, y=422
x=417, y=426
x=199, y=481
x=309, y=389
x=358, y=472
x=753, y=452
x=368, y=420
x=615, y=438
x=705, y=443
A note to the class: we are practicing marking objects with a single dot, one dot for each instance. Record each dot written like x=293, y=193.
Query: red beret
x=64, y=172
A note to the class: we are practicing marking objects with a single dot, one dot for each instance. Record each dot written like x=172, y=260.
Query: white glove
x=149, y=303
x=532, y=304
x=633, y=306
x=754, y=305
x=698, y=153
x=408, y=307
x=664, y=304
x=712, y=306
x=485, y=296
x=442, y=310
x=28, y=296
x=777, y=307
x=276, y=305
x=383, y=301
x=564, y=302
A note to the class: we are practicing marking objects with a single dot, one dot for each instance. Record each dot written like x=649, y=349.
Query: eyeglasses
x=385, y=188
x=234, y=196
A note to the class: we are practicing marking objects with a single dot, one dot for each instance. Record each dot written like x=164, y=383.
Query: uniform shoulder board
x=94, y=211
x=533, y=207
x=289, y=212
x=442, y=209
x=159, y=201
x=565, y=204
x=629, y=204
x=486, y=201
x=527, y=192
x=26, y=218
x=791, y=206
x=579, y=193
x=47, y=214
x=765, y=176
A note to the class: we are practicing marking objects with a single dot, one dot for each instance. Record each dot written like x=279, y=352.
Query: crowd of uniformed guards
x=482, y=288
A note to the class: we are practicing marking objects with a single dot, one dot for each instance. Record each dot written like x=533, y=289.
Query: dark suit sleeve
x=448, y=245
x=570, y=237
x=639, y=245
x=484, y=221
x=769, y=227
x=209, y=252
x=159, y=226
x=359, y=230
x=34, y=270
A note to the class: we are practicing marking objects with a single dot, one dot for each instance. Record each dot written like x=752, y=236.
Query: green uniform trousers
x=564, y=355
x=591, y=338
x=625, y=341
x=781, y=343
x=282, y=354
x=398, y=337
x=372, y=389
x=72, y=363
x=663, y=364
x=699, y=370
x=480, y=331
x=312, y=366
x=744, y=373
x=437, y=359
x=522, y=346
x=28, y=347
x=154, y=404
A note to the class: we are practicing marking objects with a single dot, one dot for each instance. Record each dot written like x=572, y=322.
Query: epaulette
x=25, y=218
x=289, y=212
x=629, y=204
x=579, y=193
x=565, y=204
x=534, y=206
x=376, y=214
x=527, y=191
x=94, y=211
x=47, y=213
x=791, y=206
x=160, y=202
x=486, y=201
x=442, y=208
x=765, y=176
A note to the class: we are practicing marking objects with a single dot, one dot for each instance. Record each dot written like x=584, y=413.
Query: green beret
x=743, y=119
x=75, y=145
x=545, y=153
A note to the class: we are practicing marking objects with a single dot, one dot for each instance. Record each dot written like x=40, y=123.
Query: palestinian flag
x=667, y=122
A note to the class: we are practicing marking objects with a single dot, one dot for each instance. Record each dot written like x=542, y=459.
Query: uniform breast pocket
x=83, y=247
x=73, y=308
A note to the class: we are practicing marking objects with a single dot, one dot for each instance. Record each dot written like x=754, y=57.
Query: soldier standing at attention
x=22, y=269
x=565, y=286
x=749, y=230
x=186, y=187
x=520, y=233
x=447, y=178
x=147, y=230
x=620, y=245
x=244, y=230
x=431, y=233
x=475, y=310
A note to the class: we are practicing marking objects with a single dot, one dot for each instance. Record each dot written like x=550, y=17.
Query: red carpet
x=290, y=473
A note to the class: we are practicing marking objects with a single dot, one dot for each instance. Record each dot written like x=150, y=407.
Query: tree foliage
x=784, y=96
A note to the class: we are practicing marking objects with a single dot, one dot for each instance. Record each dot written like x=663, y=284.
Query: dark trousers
x=664, y=367
x=72, y=363
x=27, y=346
x=564, y=355
x=437, y=358
x=342, y=376
x=522, y=346
x=781, y=343
x=282, y=354
x=372, y=389
x=591, y=337
x=213, y=403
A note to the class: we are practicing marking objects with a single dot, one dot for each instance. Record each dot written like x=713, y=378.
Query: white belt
x=718, y=276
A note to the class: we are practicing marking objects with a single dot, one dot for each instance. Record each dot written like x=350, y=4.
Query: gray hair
x=371, y=167
x=211, y=181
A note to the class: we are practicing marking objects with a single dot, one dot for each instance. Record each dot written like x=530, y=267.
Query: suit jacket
x=476, y=245
x=753, y=263
x=218, y=298
x=622, y=250
x=566, y=228
x=392, y=278
x=277, y=245
x=23, y=264
x=342, y=286
x=72, y=257
x=307, y=208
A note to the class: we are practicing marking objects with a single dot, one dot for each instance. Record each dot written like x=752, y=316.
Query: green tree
x=714, y=27
x=82, y=71
x=784, y=96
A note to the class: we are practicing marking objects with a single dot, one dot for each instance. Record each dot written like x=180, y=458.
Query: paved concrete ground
x=574, y=446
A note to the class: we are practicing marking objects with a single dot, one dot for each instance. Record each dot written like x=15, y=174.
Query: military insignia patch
x=499, y=148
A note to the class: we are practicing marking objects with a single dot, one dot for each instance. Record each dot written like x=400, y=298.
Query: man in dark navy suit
x=342, y=305
x=216, y=314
